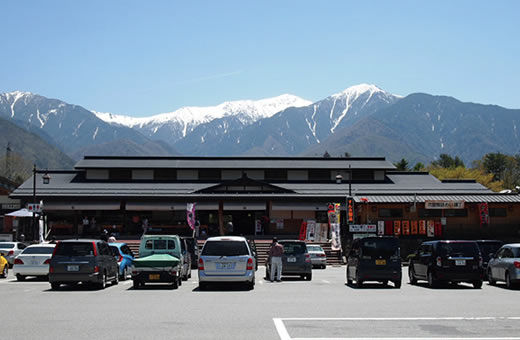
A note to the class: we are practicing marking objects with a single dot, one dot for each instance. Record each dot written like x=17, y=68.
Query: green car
x=160, y=261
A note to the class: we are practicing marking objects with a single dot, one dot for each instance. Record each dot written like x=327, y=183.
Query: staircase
x=262, y=248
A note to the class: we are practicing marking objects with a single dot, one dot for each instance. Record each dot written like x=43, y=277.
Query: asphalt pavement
x=324, y=308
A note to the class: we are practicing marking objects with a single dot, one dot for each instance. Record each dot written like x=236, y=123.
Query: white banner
x=430, y=228
x=380, y=228
x=335, y=236
x=311, y=230
x=363, y=228
x=441, y=204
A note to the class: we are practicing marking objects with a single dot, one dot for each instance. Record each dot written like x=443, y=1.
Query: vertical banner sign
x=484, y=214
x=350, y=210
x=380, y=228
x=311, y=229
x=190, y=215
x=258, y=226
x=317, y=232
x=303, y=231
x=406, y=227
x=430, y=225
x=413, y=227
x=333, y=214
x=422, y=227
x=389, y=228
x=397, y=228
x=438, y=229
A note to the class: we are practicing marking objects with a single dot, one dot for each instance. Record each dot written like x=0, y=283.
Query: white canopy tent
x=22, y=213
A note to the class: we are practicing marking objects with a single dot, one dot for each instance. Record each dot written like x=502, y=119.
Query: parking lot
x=324, y=308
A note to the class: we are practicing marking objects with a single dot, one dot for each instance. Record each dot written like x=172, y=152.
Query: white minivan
x=226, y=259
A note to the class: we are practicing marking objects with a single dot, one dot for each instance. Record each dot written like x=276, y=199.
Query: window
x=394, y=212
x=456, y=212
x=294, y=248
x=430, y=213
x=120, y=174
x=210, y=174
x=362, y=175
x=38, y=250
x=276, y=174
x=75, y=249
x=225, y=248
x=497, y=212
x=319, y=175
x=165, y=174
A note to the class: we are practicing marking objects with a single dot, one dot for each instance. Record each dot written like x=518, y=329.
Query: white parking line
x=284, y=334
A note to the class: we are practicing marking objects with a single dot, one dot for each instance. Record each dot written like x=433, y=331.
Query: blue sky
x=146, y=57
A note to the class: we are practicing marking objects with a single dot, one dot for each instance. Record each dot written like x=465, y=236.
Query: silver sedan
x=505, y=265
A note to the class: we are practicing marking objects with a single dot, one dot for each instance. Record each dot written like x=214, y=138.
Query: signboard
x=414, y=228
x=405, y=226
x=442, y=204
x=422, y=227
x=350, y=210
x=397, y=227
x=484, y=214
x=362, y=228
x=380, y=228
x=6, y=237
x=34, y=207
x=311, y=229
x=258, y=226
x=430, y=228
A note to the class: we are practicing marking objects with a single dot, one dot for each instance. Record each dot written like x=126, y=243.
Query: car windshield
x=459, y=249
x=487, y=248
x=376, y=248
x=314, y=248
x=6, y=245
x=294, y=248
x=38, y=250
x=75, y=249
x=225, y=248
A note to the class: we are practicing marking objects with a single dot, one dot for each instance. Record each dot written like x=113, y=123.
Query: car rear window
x=225, y=248
x=314, y=248
x=6, y=245
x=38, y=250
x=75, y=249
x=385, y=248
x=458, y=248
x=160, y=244
x=115, y=250
x=516, y=251
x=294, y=248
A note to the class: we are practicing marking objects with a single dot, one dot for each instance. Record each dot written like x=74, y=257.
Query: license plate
x=73, y=268
x=380, y=262
x=460, y=262
x=291, y=259
x=224, y=266
x=154, y=276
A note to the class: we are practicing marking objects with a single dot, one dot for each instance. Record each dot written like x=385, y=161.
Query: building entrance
x=243, y=221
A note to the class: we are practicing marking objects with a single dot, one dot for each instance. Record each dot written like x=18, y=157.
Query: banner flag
x=190, y=215
x=422, y=227
x=336, y=238
x=380, y=228
x=397, y=227
x=431, y=228
x=406, y=227
x=414, y=227
x=311, y=229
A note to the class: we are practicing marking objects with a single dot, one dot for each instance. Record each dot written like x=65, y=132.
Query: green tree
x=460, y=172
x=419, y=167
x=402, y=165
x=446, y=161
x=496, y=164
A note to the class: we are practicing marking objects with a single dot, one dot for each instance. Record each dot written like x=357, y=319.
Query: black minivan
x=85, y=261
x=447, y=261
x=375, y=259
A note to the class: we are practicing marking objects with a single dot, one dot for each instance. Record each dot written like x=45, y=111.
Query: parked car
x=11, y=250
x=488, y=247
x=186, y=260
x=160, y=261
x=83, y=260
x=226, y=259
x=295, y=260
x=33, y=261
x=375, y=259
x=124, y=257
x=447, y=261
x=505, y=265
x=318, y=256
x=193, y=249
x=4, y=265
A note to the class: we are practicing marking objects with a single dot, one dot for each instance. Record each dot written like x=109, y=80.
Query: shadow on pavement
x=459, y=286
x=370, y=286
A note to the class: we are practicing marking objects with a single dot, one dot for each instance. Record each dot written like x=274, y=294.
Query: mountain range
x=362, y=120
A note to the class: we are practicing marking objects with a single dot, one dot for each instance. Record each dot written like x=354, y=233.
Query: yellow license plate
x=154, y=276
x=380, y=262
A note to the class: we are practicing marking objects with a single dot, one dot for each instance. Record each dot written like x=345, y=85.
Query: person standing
x=275, y=256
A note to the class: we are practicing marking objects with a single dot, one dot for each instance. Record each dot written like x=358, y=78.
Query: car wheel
x=136, y=284
x=411, y=276
x=397, y=284
x=55, y=286
x=477, y=284
x=308, y=277
x=491, y=280
x=116, y=279
x=384, y=283
x=324, y=266
x=20, y=277
x=103, y=283
x=432, y=283
x=509, y=283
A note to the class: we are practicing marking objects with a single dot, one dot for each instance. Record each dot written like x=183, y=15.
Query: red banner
x=422, y=227
x=397, y=227
x=414, y=227
x=484, y=214
x=405, y=227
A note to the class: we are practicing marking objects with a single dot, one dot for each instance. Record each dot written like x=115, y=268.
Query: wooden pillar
x=221, y=217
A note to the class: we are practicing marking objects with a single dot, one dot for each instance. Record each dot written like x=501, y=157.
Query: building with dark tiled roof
x=264, y=195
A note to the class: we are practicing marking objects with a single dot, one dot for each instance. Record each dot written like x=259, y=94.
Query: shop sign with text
x=441, y=204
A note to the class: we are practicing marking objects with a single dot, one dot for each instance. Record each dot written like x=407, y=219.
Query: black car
x=193, y=249
x=447, y=261
x=374, y=259
x=295, y=260
x=85, y=261
x=488, y=247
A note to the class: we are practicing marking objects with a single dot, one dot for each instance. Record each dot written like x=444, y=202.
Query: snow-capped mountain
x=70, y=127
x=290, y=131
x=173, y=126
